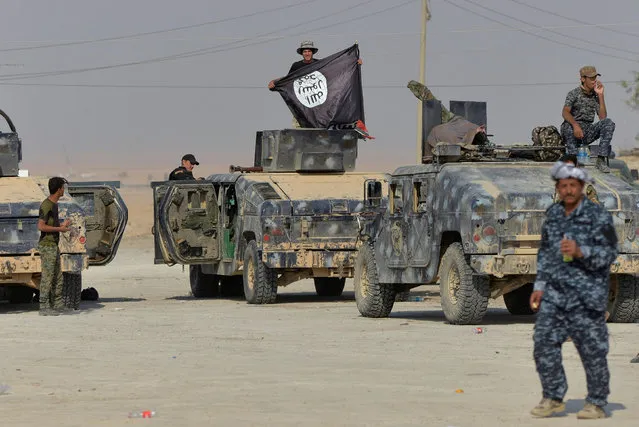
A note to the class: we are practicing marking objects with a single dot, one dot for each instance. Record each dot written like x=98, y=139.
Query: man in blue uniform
x=578, y=245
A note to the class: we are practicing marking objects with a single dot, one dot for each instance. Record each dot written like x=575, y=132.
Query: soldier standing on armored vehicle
x=307, y=49
x=578, y=246
x=579, y=111
x=51, y=283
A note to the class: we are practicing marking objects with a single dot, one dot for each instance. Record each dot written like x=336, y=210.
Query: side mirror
x=373, y=193
x=635, y=174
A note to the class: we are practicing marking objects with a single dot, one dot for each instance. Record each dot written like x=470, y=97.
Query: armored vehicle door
x=420, y=219
x=397, y=236
x=187, y=222
x=229, y=210
x=105, y=215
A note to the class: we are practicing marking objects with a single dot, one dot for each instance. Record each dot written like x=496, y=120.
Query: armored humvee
x=473, y=222
x=98, y=218
x=293, y=215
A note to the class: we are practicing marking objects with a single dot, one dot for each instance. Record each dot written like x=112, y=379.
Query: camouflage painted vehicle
x=291, y=216
x=474, y=224
x=98, y=219
x=621, y=169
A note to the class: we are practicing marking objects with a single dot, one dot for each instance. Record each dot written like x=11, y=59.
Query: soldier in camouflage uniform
x=51, y=282
x=453, y=129
x=578, y=245
x=579, y=111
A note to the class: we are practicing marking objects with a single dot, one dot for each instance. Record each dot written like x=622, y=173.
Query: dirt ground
x=148, y=345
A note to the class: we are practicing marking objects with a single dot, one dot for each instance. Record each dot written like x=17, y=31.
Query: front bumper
x=332, y=260
x=520, y=264
x=26, y=268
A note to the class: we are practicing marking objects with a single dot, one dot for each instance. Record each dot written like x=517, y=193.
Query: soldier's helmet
x=307, y=44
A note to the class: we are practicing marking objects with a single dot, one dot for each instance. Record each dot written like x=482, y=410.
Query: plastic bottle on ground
x=141, y=414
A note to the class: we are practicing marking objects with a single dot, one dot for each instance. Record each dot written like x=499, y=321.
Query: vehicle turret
x=304, y=150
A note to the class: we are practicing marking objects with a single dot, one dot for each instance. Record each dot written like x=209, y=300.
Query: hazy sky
x=107, y=118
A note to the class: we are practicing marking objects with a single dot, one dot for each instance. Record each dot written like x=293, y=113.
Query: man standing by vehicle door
x=578, y=246
x=51, y=282
x=185, y=170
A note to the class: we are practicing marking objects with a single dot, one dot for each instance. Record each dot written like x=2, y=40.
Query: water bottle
x=141, y=414
x=582, y=156
x=567, y=258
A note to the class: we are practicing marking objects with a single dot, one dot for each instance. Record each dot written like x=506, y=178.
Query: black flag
x=326, y=93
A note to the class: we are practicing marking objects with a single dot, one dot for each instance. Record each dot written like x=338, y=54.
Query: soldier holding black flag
x=307, y=49
x=324, y=93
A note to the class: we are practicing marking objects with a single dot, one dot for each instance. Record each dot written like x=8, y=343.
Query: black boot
x=603, y=164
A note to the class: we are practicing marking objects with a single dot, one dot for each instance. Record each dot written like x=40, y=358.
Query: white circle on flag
x=311, y=90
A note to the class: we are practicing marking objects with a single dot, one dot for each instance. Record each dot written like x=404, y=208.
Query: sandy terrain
x=305, y=361
x=139, y=202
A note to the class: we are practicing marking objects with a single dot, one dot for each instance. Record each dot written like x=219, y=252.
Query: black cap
x=190, y=158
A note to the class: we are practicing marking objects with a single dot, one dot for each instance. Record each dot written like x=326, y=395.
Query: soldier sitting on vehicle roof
x=453, y=129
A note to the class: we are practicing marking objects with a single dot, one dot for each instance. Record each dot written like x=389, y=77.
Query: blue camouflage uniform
x=583, y=107
x=575, y=298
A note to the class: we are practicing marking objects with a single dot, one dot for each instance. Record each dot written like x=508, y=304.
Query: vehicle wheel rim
x=454, y=282
x=250, y=276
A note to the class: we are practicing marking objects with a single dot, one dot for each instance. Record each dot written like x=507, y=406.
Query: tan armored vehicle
x=97, y=212
x=293, y=215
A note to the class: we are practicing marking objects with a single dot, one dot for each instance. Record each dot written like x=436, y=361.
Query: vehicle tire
x=329, y=286
x=260, y=282
x=373, y=299
x=71, y=290
x=20, y=294
x=518, y=301
x=623, y=299
x=464, y=296
x=231, y=287
x=203, y=285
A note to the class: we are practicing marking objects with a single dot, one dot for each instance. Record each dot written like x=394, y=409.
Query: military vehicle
x=470, y=218
x=292, y=215
x=98, y=218
x=621, y=169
